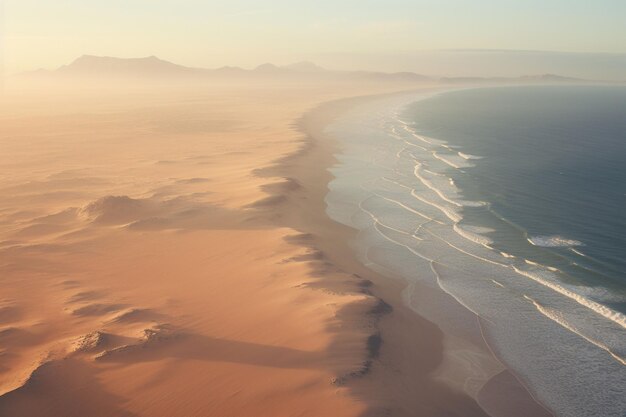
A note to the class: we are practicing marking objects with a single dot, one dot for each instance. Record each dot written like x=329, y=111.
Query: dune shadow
x=67, y=388
x=204, y=348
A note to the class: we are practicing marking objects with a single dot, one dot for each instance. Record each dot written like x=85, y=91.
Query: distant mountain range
x=154, y=68
x=98, y=65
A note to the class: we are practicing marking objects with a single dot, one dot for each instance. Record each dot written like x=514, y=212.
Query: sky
x=211, y=33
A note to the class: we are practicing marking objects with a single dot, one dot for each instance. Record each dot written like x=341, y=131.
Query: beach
x=423, y=366
x=166, y=253
x=217, y=251
x=428, y=183
x=311, y=209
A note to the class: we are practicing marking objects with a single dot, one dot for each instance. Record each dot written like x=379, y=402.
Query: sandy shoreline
x=160, y=260
x=398, y=380
x=401, y=330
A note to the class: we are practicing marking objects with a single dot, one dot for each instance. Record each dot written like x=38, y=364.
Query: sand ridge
x=144, y=263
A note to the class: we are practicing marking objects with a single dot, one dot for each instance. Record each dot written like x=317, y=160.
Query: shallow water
x=484, y=200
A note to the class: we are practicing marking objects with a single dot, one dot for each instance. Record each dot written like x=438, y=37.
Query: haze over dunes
x=111, y=67
x=152, y=68
x=135, y=277
x=163, y=231
x=161, y=256
x=228, y=209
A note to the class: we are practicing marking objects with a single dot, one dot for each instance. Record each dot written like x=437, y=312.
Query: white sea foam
x=437, y=174
x=449, y=212
x=433, y=141
x=533, y=263
x=447, y=161
x=466, y=252
x=557, y=317
x=430, y=185
x=600, y=309
x=467, y=203
x=403, y=139
x=499, y=284
x=419, y=137
x=478, y=229
x=468, y=157
x=599, y=294
x=407, y=247
x=404, y=206
x=377, y=221
x=553, y=241
x=471, y=236
x=577, y=252
x=416, y=145
x=395, y=182
x=400, y=152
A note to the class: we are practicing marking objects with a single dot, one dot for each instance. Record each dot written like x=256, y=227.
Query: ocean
x=504, y=210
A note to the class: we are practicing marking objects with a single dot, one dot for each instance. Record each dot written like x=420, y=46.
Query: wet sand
x=409, y=370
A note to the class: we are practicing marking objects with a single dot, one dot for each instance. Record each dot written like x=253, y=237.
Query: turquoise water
x=503, y=211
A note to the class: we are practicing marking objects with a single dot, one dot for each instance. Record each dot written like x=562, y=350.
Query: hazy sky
x=209, y=33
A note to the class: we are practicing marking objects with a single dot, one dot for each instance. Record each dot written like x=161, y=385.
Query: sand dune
x=140, y=274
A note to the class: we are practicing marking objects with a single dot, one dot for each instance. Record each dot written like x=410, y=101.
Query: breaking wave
x=553, y=242
x=600, y=309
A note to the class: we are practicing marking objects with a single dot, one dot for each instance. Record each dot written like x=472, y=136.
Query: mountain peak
x=105, y=65
x=96, y=58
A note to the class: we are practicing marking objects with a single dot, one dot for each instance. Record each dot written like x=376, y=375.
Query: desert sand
x=165, y=252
